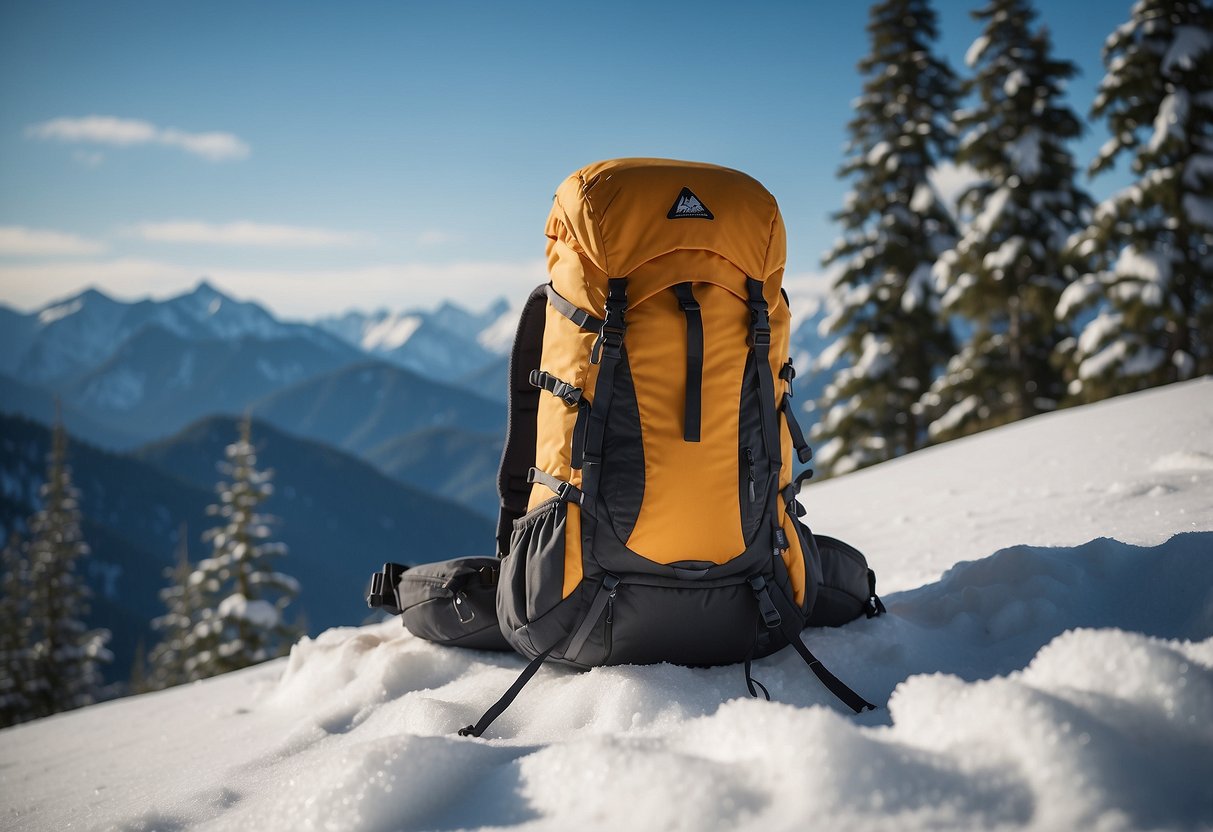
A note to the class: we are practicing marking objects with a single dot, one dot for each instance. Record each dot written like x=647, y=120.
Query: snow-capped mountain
x=446, y=343
x=1046, y=663
x=69, y=336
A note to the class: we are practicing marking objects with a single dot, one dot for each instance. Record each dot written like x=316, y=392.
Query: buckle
x=759, y=336
x=691, y=305
x=609, y=341
x=565, y=491
x=567, y=393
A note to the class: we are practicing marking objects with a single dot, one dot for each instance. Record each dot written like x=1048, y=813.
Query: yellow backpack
x=648, y=509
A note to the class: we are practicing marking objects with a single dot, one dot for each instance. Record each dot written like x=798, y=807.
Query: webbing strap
x=610, y=583
x=694, y=392
x=564, y=490
x=607, y=353
x=507, y=698
x=760, y=346
x=750, y=683
x=835, y=685
x=803, y=452
x=520, y=436
x=559, y=388
x=575, y=314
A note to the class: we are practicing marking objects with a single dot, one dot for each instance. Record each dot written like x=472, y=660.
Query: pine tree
x=1007, y=271
x=67, y=656
x=243, y=622
x=183, y=600
x=16, y=654
x=1148, y=251
x=894, y=228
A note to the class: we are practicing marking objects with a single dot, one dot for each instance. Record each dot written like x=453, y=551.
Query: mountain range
x=123, y=374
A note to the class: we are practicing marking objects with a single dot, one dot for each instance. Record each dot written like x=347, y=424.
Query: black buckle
x=770, y=614
x=610, y=342
x=787, y=372
x=382, y=594
x=566, y=492
x=760, y=336
x=691, y=305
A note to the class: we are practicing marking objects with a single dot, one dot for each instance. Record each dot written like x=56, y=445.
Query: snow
x=391, y=332
x=1153, y=267
x=1171, y=119
x=978, y=47
x=1014, y=82
x=259, y=613
x=1190, y=43
x=1046, y=663
x=995, y=204
x=498, y=337
x=53, y=313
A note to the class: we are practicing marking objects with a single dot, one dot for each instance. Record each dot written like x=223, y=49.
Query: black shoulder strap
x=520, y=435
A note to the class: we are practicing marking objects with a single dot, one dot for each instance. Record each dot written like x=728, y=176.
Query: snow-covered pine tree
x=183, y=601
x=16, y=703
x=1007, y=271
x=243, y=623
x=1150, y=246
x=883, y=308
x=67, y=656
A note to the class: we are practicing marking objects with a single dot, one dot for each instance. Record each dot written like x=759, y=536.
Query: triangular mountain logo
x=689, y=206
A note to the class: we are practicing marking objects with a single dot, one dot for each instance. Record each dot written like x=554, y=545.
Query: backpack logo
x=689, y=206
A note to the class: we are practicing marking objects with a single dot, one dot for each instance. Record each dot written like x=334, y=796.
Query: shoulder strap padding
x=519, y=454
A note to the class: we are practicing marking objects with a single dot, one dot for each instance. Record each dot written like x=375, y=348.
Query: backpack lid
x=622, y=213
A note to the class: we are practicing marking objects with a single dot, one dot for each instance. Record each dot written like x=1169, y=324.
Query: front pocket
x=537, y=552
x=688, y=625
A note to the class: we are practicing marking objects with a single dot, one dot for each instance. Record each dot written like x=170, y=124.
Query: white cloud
x=126, y=132
x=246, y=234
x=19, y=241
x=290, y=293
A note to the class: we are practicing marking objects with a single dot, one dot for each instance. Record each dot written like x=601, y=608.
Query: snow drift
x=1047, y=663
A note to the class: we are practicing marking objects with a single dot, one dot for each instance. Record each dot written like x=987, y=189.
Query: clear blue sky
x=393, y=153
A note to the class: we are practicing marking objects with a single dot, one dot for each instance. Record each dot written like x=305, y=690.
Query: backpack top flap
x=614, y=214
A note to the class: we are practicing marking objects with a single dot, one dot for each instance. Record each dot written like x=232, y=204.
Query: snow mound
x=1066, y=684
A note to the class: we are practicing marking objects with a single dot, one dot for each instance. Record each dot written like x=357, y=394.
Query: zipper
x=607, y=634
x=749, y=461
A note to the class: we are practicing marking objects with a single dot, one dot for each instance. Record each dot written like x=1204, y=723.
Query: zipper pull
x=610, y=613
x=749, y=461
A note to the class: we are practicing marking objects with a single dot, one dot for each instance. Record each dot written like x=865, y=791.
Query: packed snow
x=1046, y=663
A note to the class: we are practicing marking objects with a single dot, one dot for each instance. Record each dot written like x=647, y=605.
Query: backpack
x=648, y=505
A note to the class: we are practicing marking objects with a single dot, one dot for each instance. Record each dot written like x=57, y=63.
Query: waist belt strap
x=694, y=394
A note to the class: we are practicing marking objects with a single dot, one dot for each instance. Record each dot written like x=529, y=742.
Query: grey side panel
x=453, y=602
x=622, y=483
x=844, y=585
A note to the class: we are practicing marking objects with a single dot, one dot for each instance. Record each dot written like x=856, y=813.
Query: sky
x=318, y=157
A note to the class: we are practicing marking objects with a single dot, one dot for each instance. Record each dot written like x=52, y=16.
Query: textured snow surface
x=1046, y=663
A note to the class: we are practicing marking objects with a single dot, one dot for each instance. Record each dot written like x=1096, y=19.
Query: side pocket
x=537, y=549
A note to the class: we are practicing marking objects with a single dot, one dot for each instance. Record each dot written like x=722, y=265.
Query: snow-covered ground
x=1047, y=663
